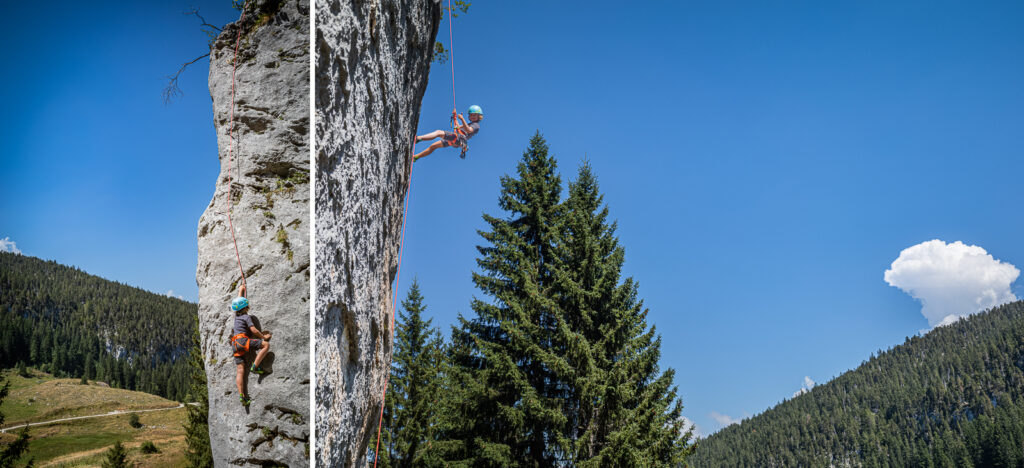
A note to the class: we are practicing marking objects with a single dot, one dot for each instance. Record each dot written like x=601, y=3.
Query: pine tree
x=623, y=410
x=506, y=406
x=117, y=457
x=409, y=410
x=88, y=374
x=198, y=453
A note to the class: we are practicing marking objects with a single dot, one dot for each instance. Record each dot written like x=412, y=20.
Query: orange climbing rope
x=231, y=140
x=451, y=59
x=401, y=241
x=394, y=309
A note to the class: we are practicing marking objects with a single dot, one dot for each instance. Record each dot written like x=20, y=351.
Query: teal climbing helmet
x=475, y=109
x=239, y=303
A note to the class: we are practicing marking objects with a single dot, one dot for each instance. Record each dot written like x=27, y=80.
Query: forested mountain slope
x=70, y=323
x=953, y=397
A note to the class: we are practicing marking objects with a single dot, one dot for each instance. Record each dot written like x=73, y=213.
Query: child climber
x=458, y=137
x=242, y=343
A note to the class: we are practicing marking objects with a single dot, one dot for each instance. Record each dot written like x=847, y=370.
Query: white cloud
x=723, y=419
x=7, y=245
x=808, y=385
x=688, y=424
x=952, y=280
x=170, y=293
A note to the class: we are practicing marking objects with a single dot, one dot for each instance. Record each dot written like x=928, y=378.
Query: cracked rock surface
x=372, y=60
x=269, y=203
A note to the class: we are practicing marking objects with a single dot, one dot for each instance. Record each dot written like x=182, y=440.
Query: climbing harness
x=240, y=343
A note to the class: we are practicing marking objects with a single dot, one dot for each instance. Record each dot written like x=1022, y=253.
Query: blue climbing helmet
x=239, y=303
x=475, y=109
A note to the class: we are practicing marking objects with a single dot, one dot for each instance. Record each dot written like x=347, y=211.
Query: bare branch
x=172, y=90
x=210, y=30
x=203, y=23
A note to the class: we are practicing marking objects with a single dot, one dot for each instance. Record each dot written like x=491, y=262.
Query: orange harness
x=241, y=344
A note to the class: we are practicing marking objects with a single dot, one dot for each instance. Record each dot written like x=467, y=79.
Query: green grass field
x=83, y=442
x=42, y=398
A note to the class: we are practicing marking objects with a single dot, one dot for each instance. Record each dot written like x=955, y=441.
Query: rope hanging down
x=231, y=143
x=451, y=59
x=394, y=310
x=401, y=242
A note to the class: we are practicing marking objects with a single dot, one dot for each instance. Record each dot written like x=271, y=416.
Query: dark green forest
x=951, y=398
x=69, y=323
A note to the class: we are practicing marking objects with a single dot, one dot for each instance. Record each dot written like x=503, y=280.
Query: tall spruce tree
x=506, y=405
x=410, y=405
x=561, y=367
x=198, y=453
x=623, y=411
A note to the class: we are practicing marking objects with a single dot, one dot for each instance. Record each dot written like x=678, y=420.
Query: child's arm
x=465, y=126
x=241, y=290
x=259, y=334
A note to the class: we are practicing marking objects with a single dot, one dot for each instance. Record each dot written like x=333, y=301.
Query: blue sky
x=766, y=162
x=97, y=171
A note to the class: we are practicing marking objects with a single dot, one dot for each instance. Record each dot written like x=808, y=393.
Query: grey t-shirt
x=242, y=324
x=474, y=127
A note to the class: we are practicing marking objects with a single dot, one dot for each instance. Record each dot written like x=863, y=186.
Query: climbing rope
x=394, y=310
x=401, y=241
x=451, y=59
x=231, y=144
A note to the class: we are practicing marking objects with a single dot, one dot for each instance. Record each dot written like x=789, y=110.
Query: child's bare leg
x=262, y=354
x=430, y=149
x=240, y=378
x=430, y=136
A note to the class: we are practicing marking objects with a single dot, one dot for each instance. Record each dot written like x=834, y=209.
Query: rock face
x=372, y=60
x=269, y=203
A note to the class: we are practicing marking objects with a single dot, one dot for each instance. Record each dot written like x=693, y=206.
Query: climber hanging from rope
x=242, y=342
x=461, y=132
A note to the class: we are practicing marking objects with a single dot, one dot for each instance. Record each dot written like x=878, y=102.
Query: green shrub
x=117, y=457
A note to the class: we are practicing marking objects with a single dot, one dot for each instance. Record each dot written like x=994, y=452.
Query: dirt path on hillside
x=111, y=413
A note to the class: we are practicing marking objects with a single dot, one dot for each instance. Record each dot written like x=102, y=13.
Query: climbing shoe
x=245, y=400
x=257, y=370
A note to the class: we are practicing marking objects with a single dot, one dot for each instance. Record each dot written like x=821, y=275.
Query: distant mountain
x=951, y=398
x=70, y=323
